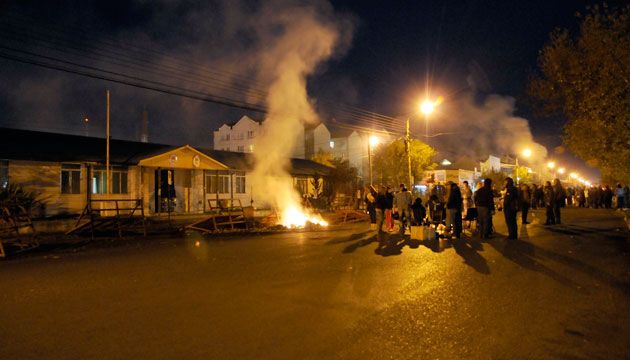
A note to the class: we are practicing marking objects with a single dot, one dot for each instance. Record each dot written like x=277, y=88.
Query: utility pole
x=370, y=157
x=107, y=171
x=407, y=150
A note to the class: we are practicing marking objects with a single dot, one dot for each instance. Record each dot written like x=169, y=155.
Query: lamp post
x=372, y=141
x=426, y=107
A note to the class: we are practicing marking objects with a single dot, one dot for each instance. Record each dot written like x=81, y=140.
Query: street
x=560, y=292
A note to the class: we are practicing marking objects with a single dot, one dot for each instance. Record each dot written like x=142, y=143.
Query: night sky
x=397, y=50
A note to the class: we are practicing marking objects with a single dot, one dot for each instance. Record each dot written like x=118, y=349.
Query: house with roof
x=67, y=171
x=240, y=136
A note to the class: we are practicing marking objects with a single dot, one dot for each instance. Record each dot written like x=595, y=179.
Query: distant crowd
x=451, y=206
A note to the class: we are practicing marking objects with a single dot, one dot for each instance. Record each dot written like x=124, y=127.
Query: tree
x=497, y=177
x=522, y=174
x=342, y=179
x=585, y=77
x=390, y=161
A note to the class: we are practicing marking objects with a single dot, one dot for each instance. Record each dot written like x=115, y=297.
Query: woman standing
x=454, y=206
x=548, y=199
x=525, y=202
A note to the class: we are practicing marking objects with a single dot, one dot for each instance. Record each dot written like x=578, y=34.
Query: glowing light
x=551, y=164
x=446, y=162
x=332, y=144
x=294, y=217
x=197, y=243
x=561, y=170
x=374, y=140
x=574, y=175
x=86, y=120
x=527, y=153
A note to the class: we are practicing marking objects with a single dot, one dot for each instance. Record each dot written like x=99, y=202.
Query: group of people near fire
x=451, y=205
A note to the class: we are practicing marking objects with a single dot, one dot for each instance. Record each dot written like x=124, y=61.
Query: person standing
x=389, y=219
x=548, y=199
x=510, y=208
x=525, y=202
x=466, y=198
x=454, y=208
x=370, y=203
x=381, y=206
x=559, y=196
x=534, y=196
x=484, y=201
x=402, y=205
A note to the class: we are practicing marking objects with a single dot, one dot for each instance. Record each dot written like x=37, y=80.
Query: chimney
x=144, y=132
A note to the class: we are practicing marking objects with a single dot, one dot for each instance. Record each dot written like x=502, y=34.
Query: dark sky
x=398, y=47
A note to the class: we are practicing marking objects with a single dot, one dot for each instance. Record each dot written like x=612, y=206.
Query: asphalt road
x=560, y=293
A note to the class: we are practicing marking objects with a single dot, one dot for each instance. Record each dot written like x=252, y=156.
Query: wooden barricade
x=225, y=214
x=13, y=223
x=110, y=214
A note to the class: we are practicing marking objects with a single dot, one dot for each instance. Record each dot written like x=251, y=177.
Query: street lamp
x=527, y=152
x=372, y=141
x=426, y=107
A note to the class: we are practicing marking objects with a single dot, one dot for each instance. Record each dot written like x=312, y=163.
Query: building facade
x=68, y=171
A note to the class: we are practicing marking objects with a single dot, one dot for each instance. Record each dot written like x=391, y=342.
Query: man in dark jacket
x=559, y=196
x=484, y=200
x=510, y=208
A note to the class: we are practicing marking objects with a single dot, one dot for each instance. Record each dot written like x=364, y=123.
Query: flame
x=294, y=217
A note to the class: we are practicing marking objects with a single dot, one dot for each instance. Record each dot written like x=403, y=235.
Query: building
x=69, y=170
x=316, y=139
x=347, y=144
x=241, y=137
x=456, y=171
x=238, y=136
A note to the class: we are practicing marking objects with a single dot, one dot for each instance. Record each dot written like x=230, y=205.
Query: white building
x=316, y=139
x=238, y=136
x=241, y=137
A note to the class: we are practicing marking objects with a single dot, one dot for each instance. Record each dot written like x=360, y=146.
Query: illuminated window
x=332, y=144
x=240, y=148
x=239, y=184
x=251, y=148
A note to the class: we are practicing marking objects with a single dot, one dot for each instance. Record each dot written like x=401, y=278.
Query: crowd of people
x=451, y=205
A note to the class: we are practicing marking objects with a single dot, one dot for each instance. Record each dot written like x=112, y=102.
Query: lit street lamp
x=426, y=107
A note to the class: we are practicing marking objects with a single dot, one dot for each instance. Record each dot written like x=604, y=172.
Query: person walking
x=454, y=207
x=402, y=205
x=559, y=197
x=466, y=198
x=525, y=197
x=484, y=201
x=608, y=197
x=510, y=208
x=548, y=198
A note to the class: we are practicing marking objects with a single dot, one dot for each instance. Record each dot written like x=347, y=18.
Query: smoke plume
x=298, y=39
x=477, y=128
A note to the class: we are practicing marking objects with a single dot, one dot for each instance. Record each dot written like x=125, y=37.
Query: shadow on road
x=392, y=244
x=470, y=255
x=353, y=237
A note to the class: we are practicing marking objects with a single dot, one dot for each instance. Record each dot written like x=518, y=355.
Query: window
x=4, y=174
x=240, y=148
x=119, y=180
x=332, y=144
x=250, y=134
x=70, y=179
x=302, y=185
x=220, y=184
x=240, y=136
x=99, y=180
x=227, y=137
x=239, y=184
x=251, y=148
